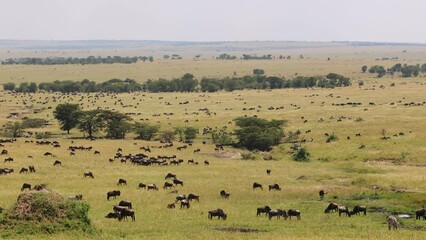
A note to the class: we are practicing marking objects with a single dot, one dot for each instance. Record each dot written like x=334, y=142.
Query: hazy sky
x=214, y=20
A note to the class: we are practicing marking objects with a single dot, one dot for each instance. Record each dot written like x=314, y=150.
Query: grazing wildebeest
x=268, y=171
x=219, y=213
x=124, y=203
x=294, y=212
x=178, y=182
x=23, y=170
x=142, y=185
x=39, y=187
x=57, y=162
x=9, y=159
x=26, y=186
x=332, y=207
x=168, y=185
x=421, y=213
x=48, y=154
x=152, y=187
x=193, y=196
x=344, y=209
x=112, y=215
x=127, y=213
x=32, y=169
x=4, y=152
x=121, y=182
x=88, y=174
x=197, y=150
x=117, y=208
x=392, y=222
x=357, y=209
x=184, y=203
x=206, y=163
x=97, y=152
x=224, y=194
x=170, y=175
x=277, y=213
x=322, y=194
x=113, y=194
x=274, y=186
x=180, y=198
x=171, y=205
x=76, y=197
x=261, y=210
x=257, y=185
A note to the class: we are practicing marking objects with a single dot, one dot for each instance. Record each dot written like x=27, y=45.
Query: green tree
x=32, y=88
x=13, y=129
x=258, y=71
x=91, y=122
x=364, y=68
x=145, y=131
x=10, y=86
x=190, y=133
x=302, y=155
x=167, y=135
x=117, y=124
x=68, y=116
x=256, y=133
x=221, y=136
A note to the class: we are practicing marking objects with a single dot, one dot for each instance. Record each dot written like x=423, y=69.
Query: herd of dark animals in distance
x=124, y=208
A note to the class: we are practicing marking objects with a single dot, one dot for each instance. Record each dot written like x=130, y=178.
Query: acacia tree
x=13, y=129
x=117, y=124
x=68, y=116
x=145, y=131
x=91, y=122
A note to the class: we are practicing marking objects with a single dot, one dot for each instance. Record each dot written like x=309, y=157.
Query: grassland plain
x=387, y=175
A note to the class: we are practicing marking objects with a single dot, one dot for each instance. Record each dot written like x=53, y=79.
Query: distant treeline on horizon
x=71, y=60
x=187, y=83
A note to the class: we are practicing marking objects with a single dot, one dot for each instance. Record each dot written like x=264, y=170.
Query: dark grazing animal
x=268, y=171
x=257, y=185
x=274, y=186
x=261, y=210
x=170, y=175
x=23, y=170
x=421, y=213
x=121, y=182
x=97, y=152
x=117, y=208
x=9, y=159
x=332, y=207
x=322, y=194
x=178, y=182
x=224, y=194
x=142, y=185
x=32, y=169
x=344, y=209
x=112, y=215
x=152, y=187
x=26, y=186
x=184, y=203
x=48, y=154
x=277, y=213
x=193, y=196
x=168, y=185
x=294, y=212
x=171, y=205
x=4, y=152
x=88, y=174
x=57, y=162
x=206, y=163
x=219, y=213
x=113, y=194
x=357, y=209
x=124, y=203
x=180, y=198
x=127, y=213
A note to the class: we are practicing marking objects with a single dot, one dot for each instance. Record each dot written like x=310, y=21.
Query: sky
x=214, y=20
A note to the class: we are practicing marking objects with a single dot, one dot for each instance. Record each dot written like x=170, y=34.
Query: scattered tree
x=68, y=115
x=145, y=131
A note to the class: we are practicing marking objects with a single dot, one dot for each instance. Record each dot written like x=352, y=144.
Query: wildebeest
x=180, y=198
x=4, y=152
x=219, y=213
x=57, y=162
x=344, y=209
x=112, y=215
x=294, y=212
x=170, y=175
x=274, y=186
x=76, y=197
x=23, y=170
x=332, y=207
x=224, y=194
x=184, y=203
x=277, y=213
x=178, y=182
x=392, y=222
x=26, y=186
x=48, y=154
x=121, y=182
x=152, y=187
x=171, y=205
x=261, y=210
x=96, y=152
x=39, y=187
x=32, y=169
x=322, y=194
x=257, y=185
x=9, y=159
x=127, y=213
x=88, y=174
x=168, y=185
x=142, y=185
x=193, y=196
x=206, y=163
x=357, y=209
x=421, y=213
x=124, y=203
x=113, y=194
x=268, y=171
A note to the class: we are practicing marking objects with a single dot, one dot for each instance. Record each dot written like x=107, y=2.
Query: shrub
x=302, y=155
x=248, y=156
x=33, y=122
x=43, y=135
x=332, y=138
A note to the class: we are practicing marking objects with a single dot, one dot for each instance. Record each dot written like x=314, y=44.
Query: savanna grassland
x=384, y=175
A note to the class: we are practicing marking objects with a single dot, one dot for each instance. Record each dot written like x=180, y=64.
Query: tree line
x=402, y=70
x=75, y=60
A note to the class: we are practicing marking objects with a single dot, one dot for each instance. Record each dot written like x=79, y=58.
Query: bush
x=43, y=135
x=332, y=138
x=248, y=156
x=145, y=131
x=302, y=155
x=33, y=122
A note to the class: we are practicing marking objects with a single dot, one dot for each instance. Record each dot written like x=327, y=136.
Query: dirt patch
x=232, y=155
x=394, y=161
x=240, y=229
